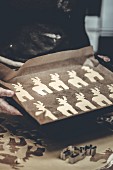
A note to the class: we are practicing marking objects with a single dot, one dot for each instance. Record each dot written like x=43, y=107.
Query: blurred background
x=99, y=26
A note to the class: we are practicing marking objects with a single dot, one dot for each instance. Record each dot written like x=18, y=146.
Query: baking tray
x=61, y=90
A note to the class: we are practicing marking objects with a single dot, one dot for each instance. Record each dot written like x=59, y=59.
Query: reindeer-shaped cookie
x=84, y=104
x=65, y=108
x=44, y=111
x=99, y=98
x=39, y=87
x=57, y=84
x=110, y=87
x=21, y=93
x=92, y=74
x=75, y=80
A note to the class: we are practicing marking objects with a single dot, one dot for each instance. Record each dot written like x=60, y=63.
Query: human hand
x=4, y=106
x=104, y=58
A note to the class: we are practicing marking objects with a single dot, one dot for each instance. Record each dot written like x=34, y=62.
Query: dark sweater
x=31, y=28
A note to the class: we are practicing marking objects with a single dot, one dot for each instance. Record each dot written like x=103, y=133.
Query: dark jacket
x=31, y=28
